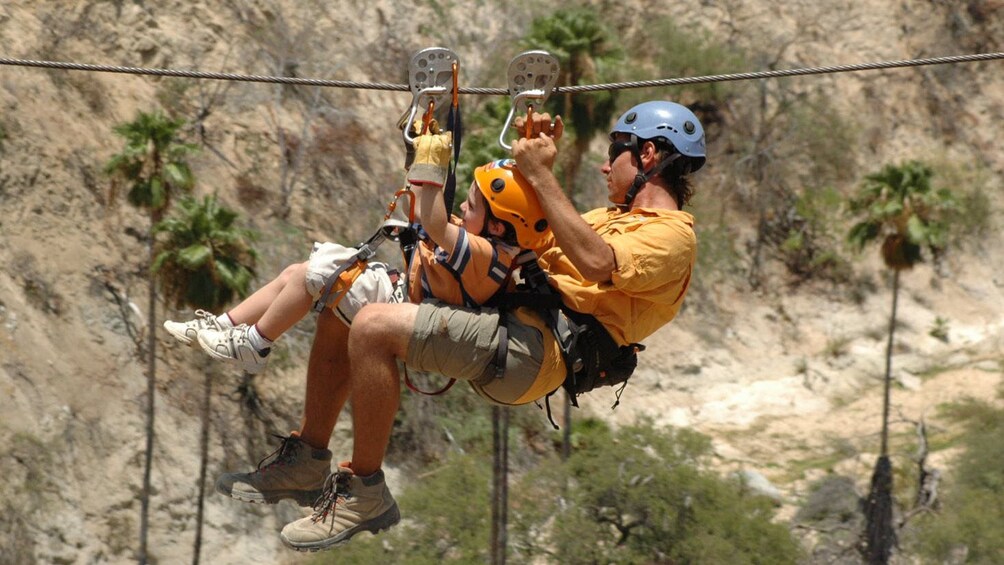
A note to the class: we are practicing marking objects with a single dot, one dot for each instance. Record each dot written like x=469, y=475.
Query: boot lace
x=281, y=456
x=336, y=491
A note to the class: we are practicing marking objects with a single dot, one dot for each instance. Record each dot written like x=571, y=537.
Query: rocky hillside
x=783, y=378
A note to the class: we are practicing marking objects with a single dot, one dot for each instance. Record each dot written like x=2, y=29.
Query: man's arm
x=535, y=159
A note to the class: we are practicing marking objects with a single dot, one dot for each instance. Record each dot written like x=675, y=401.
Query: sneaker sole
x=379, y=524
x=254, y=370
x=182, y=337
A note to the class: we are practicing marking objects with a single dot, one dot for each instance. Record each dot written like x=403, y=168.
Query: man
x=628, y=266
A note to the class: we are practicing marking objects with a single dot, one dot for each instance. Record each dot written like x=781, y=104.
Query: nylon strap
x=339, y=283
x=454, y=125
x=412, y=387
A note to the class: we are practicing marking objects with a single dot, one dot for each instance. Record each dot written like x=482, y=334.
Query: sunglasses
x=616, y=148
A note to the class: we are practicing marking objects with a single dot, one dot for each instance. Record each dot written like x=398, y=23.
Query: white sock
x=258, y=341
x=224, y=321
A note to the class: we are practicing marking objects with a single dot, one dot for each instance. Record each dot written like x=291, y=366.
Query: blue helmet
x=668, y=121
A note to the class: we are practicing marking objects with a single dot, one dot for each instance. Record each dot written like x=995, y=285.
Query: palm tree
x=500, y=484
x=204, y=261
x=584, y=47
x=152, y=164
x=899, y=207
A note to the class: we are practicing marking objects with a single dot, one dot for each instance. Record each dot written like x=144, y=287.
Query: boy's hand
x=432, y=159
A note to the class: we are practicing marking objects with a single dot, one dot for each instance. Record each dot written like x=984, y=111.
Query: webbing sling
x=454, y=125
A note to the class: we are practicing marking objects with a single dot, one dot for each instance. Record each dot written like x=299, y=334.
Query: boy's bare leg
x=251, y=309
x=289, y=306
x=327, y=380
x=380, y=335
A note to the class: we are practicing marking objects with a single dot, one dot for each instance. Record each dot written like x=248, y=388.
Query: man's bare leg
x=328, y=371
x=380, y=335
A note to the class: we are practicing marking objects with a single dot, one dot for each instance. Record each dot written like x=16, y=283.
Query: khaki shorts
x=462, y=343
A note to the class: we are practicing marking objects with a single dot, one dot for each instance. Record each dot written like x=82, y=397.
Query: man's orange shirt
x=655, y=251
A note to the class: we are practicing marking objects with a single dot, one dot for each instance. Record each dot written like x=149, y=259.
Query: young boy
x=463, y=261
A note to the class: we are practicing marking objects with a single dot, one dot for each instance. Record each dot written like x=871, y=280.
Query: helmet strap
x=643, y=176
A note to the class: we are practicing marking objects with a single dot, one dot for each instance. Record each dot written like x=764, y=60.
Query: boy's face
x=473, y=210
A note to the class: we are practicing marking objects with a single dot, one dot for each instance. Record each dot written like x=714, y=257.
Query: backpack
x=592, y=358
x=595, y=360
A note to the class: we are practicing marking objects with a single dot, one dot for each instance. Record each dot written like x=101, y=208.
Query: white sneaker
x=186, y=332
x=232, y=344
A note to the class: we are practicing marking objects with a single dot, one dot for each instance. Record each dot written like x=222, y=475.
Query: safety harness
x=592, y=357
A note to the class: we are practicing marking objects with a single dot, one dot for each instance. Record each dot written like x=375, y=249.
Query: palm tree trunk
x=496, y=521
x=500, y=482
x=151, y=360
x=207, y=391
x=887, y=383
x=880, y=536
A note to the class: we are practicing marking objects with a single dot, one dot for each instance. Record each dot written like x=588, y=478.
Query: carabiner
x=393, y=204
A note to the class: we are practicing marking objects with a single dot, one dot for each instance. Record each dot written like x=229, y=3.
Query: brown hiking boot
x=296, y=471
x=350, y=504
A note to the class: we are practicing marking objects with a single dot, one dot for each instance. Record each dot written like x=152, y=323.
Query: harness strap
x=340, y=282
x=454, y=125
x=412, y=387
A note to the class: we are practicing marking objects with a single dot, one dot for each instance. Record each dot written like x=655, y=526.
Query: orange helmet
x=511, y=199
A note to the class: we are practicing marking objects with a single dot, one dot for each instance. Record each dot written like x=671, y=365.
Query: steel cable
x=953, y=59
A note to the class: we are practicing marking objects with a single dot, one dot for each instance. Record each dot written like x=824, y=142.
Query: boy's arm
x=427, y=176
x=432, y=213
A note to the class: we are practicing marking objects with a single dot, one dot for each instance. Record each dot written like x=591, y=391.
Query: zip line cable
x=500, y=91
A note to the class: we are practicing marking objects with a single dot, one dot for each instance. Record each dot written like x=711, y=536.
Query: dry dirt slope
x=756, y=371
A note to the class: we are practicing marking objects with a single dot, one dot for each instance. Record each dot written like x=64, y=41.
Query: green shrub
x=643, y=495
x=939, y=329
x=682, y=53
x=633, y=495
x=971, y=515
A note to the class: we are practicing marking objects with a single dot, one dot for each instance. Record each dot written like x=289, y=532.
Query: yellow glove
x=415, y=130
x=432, y=159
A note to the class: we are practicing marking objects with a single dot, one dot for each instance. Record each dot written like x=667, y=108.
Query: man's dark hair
x=676, y=174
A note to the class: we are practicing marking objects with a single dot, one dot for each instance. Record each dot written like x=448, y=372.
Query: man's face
x=620, y=168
